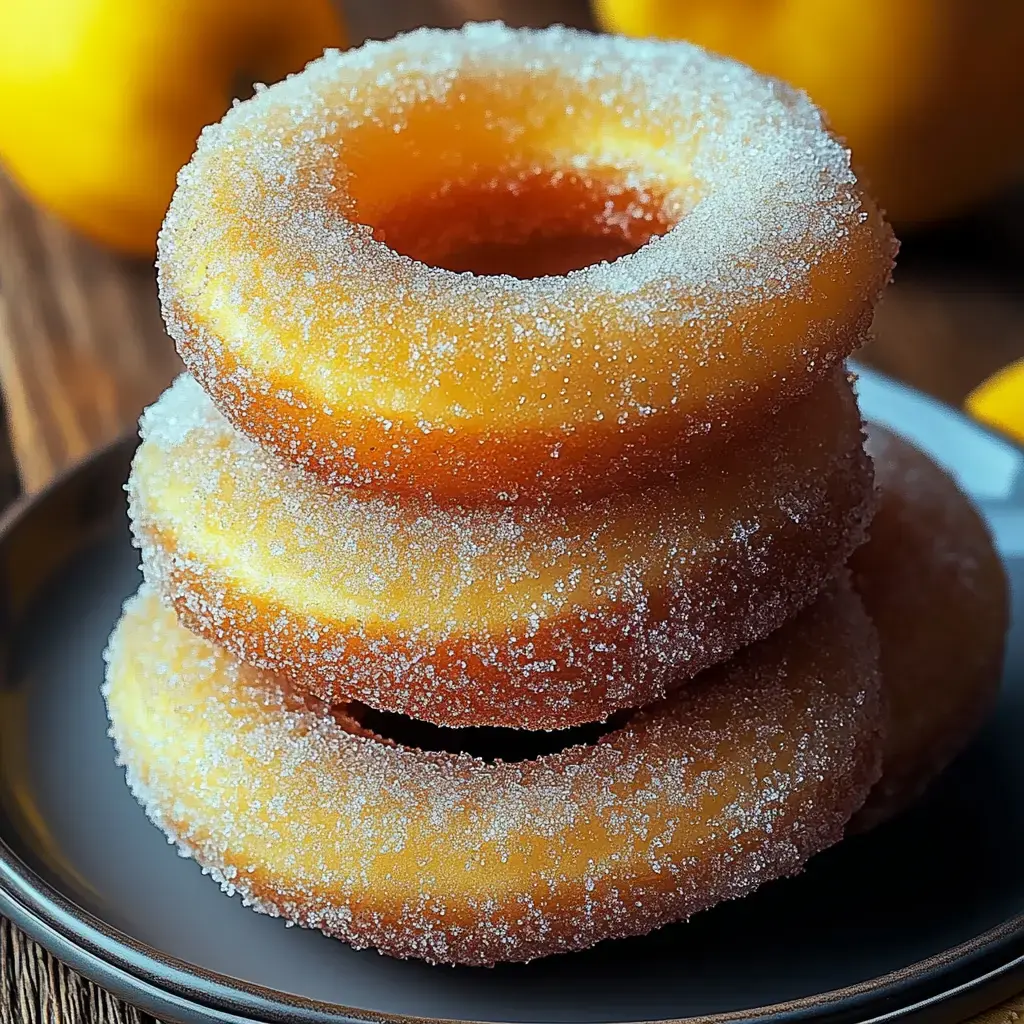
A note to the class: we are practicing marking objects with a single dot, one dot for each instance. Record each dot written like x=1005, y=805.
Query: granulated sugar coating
x=515, y=616
x=757, y=262
x=733, y=781
x=936, y=589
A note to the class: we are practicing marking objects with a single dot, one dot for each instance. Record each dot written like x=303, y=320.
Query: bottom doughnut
x=935, y=587
x=734, y=780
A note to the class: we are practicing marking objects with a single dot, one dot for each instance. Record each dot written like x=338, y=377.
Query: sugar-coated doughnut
x=936, y=590
x=732, y=781
x=349, y=263
x=515, y=616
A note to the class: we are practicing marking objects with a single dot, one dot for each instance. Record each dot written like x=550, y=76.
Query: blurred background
x=101, y=101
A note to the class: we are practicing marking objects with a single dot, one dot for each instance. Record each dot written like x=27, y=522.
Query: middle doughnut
x=517, y=617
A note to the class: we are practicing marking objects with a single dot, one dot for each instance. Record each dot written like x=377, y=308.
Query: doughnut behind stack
x=935, y=587
x=535, y=341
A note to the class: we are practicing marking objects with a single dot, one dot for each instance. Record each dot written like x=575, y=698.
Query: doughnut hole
x=488, y=743
x=507, y=198
x=533, y=224
x=431, y=149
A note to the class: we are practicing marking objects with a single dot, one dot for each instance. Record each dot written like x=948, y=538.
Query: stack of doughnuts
x=506, y=585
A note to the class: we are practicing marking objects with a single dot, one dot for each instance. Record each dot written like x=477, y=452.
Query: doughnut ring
x=634, y=250
x=935, y=587
x=523, y=617
x=452, y=859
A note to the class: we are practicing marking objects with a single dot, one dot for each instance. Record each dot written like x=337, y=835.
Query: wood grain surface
x=82, y=350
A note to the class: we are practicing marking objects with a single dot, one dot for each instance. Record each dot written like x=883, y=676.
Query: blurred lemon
x=101, y=100
x=928, y=93
x=999, y=402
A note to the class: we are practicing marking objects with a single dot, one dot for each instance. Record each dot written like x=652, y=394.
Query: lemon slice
x=999, y=401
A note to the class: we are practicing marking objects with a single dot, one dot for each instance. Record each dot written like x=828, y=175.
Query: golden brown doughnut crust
x=937, y=592
x=728, y=783
x=371, y=368
x=520, y=617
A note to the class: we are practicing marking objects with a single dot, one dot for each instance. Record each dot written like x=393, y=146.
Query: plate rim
x=169, y=985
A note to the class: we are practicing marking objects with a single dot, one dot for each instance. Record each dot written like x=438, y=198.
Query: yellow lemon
x=101, y=100
x=999, y=402
x=928, y=93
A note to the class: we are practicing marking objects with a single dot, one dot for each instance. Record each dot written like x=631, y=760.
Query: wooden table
x=82, y=350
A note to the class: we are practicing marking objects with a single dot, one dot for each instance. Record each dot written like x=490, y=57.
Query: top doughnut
x=496, y=264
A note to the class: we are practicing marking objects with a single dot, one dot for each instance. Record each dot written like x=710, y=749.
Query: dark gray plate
x=924, y=918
